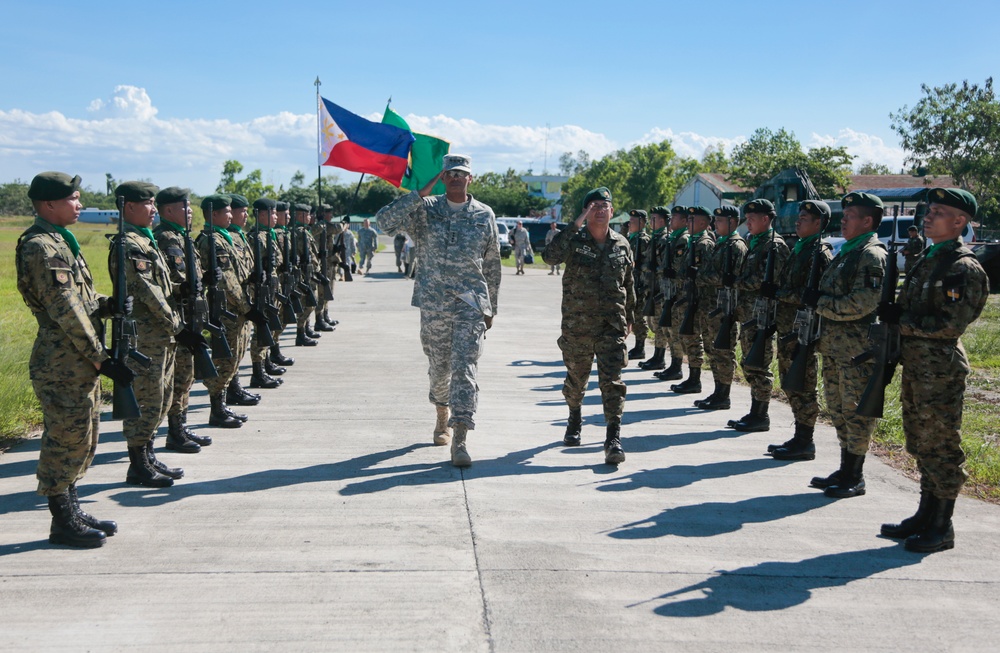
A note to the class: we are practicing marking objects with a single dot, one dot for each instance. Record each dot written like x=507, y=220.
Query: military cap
x=698, y=210
x=347, y=219
x=957, y=198
x=302, y=207
x=171, y=195
x=912, y=228
x=239, y=201
x=816, y=207
x=862, y=199
x=265, y=204
x=281, y=206
x=638, y=213
x=727, y=211
x=679, y=209
x=50, y=186
x=136, y=191
x=599, y=194
x=457, y=162
x=758, y=206
x=660, y=210
x=325, y=207
x=215, y=202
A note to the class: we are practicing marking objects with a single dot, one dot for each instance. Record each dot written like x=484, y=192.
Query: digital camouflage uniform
x=597, y=302
x=658, y=241
x=733, y=248
x=157, y=321
x=269, y=247
x=698, y=345
x=306, y=254
x=229, y=264
x=457, y=284
x=943, y=294
x=850, y=291
x=325, y=231
x=244, y=252
x=639, y=244
x=672, y=258
x=59, y=289
x=368, y=245
x=914, y=247
x=749, y=281
x=793, y=280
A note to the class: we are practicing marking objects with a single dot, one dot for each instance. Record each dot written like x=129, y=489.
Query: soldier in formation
x=638, y=240
x=670, y=270
x=653, y=304
x=698, y=294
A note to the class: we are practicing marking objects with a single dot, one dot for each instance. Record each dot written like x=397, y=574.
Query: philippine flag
x=350, y=142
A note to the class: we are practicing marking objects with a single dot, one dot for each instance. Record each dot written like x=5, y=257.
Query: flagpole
x=319, y=145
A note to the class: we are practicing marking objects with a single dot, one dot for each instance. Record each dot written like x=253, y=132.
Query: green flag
x=426, y=155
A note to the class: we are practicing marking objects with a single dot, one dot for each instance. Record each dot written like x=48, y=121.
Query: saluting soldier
x=750, y=282
x=849, y=292
x=813, y=218
x=698, y=344
x=944, y=292
x=597, y=303
x=638, y=240
x=671, y=269
x=658, y=241
x=236, y=394
x=175, y=223
x=56, y=284
x=264, y=238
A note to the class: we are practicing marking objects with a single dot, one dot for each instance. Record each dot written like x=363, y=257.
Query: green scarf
x=274, y=234
x=170, y=225
x=676, y=233
x=225, y=233
x=801, y=243
x=760, y=237
x=722, y=239
x=148, y=233
x=938, y=246
x=657, y=232
x=856, y=242
x=74, y=244
x=235, y=228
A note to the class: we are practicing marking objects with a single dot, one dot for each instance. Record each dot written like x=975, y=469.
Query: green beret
x=136, y=191
x=239, y=201
x=638, y=213
x=215, y=202
x=862, y=199
x=699, y=210
x=816, y=207
x=661, y=211
x=265, y=204
x=171, y=195
x=325, y=207
x=303, y=208
x=758, y=206
x=727, y=211
x=598, y=194
x=679, y=209
x=957, y=198
x=51, y=186
x=281, y=206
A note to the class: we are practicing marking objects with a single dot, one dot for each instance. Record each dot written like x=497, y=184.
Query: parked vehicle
x=902, y=227
x=505, y=247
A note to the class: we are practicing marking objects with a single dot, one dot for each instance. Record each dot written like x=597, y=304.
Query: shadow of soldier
x=679, y=476
x=771, y=586
x=529, y=363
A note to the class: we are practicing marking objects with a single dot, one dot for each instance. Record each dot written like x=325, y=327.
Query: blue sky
x=169, y=95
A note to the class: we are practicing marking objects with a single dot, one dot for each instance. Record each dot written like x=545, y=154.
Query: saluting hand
x=426, y=190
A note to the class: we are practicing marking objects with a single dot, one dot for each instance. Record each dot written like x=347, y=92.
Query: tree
x=955, y=130
x=767, y=153
x=714, y=160
x=872, y=168
x=505, y=193
x=570, y=165
x=14, y=199
x=251, y=186
x=829, y=169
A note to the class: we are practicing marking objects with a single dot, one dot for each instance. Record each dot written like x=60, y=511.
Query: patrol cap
x=601, y=194
x=727, y=211
x=457, y=162
x=912, y=228
x=679, y=209
x=281, y=206
x=171, y=195
x=265, y=204
x=862, y=199
x=758, y=206
x=325, y=207
x=50, y=186
x=239, y=201
x=817, y=208
x=637, y=213
x=215, y=202
x=661, y=211
x=957, y=198
x=302, y=207
x=699, y=210
x=136, y=191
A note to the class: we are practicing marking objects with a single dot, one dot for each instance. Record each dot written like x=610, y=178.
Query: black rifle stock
x=669, y=288
x=726, y=303
x=764, y=314
x=649, y=308
x=292, y=307
x=307, y=276
x=275, y=295
x=806, y=330
x=216, y=298
x=261, y=301
x=690, y=292
x=195, y=308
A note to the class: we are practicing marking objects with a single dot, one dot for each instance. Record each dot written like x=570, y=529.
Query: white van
x=902, y=235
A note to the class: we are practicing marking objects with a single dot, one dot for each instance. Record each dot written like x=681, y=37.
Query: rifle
x=274, y=291
x=216, y=298
x=669, y=291
x=194, y=308
x=262, y=306
x=123, y=331
x=291, y=306
x=884, y=338
x=341, y=247
x=726, y=303
x=764, y=313
x=648, y=309
x=806, y=329
x=305, y=264
x=324, y=265
x=690, y=292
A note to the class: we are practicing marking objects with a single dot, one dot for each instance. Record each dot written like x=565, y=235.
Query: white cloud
x=865, y=147
x=688, y=144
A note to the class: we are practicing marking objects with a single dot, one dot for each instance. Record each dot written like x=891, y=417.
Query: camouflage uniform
x=722, y=361
x=850, y=292
x=456, y=285
x=639, y=242
x=157, y=320
x=367, y=245
x=658, y=242
x=914, y=247
x=59, y=289
x=244, y=252
x=793, y=280
x=699, y=343
x=943, y=294
x=230, y=265
x=306, y=253
x=264, y=235
x=674, y=255
x=749, y=281
x=598, y=300
x=325, y=232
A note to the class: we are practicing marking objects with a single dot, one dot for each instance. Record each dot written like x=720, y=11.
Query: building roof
x=862, y=182
x=721, y=183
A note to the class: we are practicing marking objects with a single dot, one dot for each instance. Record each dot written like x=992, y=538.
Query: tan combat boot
x=442, y=434
x=459, y=455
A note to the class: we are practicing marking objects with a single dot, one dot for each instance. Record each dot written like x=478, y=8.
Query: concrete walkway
x=329, y=522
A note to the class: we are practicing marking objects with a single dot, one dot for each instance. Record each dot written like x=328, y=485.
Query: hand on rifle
x=190, y=339
x=127, y=305
x=117, y=372
x=212, y=276
x=889, y=313
x=810, y=296
x=186, y=289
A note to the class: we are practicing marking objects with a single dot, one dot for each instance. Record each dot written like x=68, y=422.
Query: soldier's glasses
x=460, y=174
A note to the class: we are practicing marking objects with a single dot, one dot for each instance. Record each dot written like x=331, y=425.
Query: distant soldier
x=549, y=235
x=398, y=243
x=671, y=278
x=750, y=282
x=638, y=240
x=456, y=290
x=324, y=233
x=236, y=394
x=944, y=292
x=280, y=233
x=658, y=241
x=307, y=261
x=348, y=244
x=264, y=239
x=914, y=247
x=809, y=251
x=521, y=243
x=55, y=283
x=849, y=293
x=367, y=245
x=697, y=344
x=597, y=303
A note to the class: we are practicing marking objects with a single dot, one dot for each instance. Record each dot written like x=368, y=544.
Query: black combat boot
x=800, y=447
x=690, y=385
x=200, y=440
x=141, y=472
x=322, y=325
x=67, y=527
x=654, y=363
x=272, y=369
x=698, y=402
x=850, y=479
x=312, y=333
x=823, y=482
x=220, y=415
x=170, y=472
x=261, y=379
x=756, y=420
x=639, y=351
x=280, y=359
x=718, y=400
x=302, y=340
x=613, y=452
x=237, y=396
x=573, y=426
x=328, y=319
x=672, y=373
x=939, y=534
x=108, y=527
x=911, y=525
x=177, y=439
